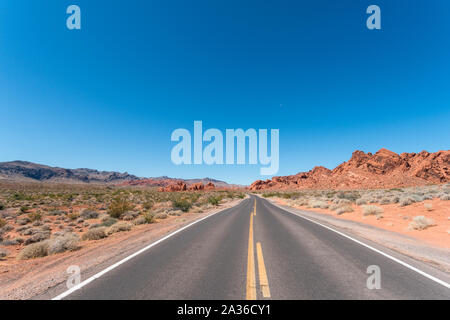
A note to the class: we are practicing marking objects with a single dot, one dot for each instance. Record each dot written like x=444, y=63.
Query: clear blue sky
x=109, y=96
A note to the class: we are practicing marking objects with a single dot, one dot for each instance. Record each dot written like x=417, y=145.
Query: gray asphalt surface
x=302, y=260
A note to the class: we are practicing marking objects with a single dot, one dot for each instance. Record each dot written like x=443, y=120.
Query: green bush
x=149, y=217
x=182, y=204
x=109, y=222
x=214, y=200
x=119, y=206
x=24, y=209
x=73, y=216
x=148, y=204
x=34, y=216
x=2, y=206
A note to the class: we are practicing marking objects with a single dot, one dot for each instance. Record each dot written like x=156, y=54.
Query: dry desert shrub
x=334, y=207
x=35, y=250
x=428, y=206
x=140, y=220
x=3, y=253
x=89, y=214
x=318, y=204
x=118, y=227
x=95, y=234
x=406, y=202
x=444, y=196
x=361, y=201
x=62, y=243
x=58, y=244
x=161, y=215
x=371, y=210
x=421, y=223
x=343, y=209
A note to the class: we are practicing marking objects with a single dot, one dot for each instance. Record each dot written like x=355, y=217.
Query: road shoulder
x=434, y=259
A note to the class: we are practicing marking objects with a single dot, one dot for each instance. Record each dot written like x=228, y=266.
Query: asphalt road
x=262, y=253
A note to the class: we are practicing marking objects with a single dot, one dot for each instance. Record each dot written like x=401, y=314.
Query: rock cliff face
x=384, y=169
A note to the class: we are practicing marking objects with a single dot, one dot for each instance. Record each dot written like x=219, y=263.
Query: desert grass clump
x=119, y=227
x=428, y=206
x=95, y=234
x=406, y=201
x=318, y=204
x=444, y=196
x=140, y=220
x=361, y=201
x=344, y=209
x=371, y=210
x=109, y=222
x=351, y=196
x=66, y=242
x=421, y=223
x=89, y=214
x=58, y=244
x=35, y=250
x=161, y=215
x=2, y=223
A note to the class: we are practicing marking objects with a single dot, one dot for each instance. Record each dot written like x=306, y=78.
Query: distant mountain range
x=23, y=171
x=384, y=169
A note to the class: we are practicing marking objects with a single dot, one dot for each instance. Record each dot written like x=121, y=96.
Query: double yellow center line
x=251, y=278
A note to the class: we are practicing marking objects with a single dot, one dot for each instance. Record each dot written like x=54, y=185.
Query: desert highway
x=257, y=250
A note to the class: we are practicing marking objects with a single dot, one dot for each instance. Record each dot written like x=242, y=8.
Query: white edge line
x=115, y=265
x=429, y=276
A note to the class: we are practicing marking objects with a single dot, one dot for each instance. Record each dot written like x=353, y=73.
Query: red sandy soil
x=384, y=169
x=397, y=219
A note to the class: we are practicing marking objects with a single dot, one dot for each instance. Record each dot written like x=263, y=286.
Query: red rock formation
x=178, y=186
x=384, y=169
x=181, y=186
x=210, y=186
x=196, y=186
